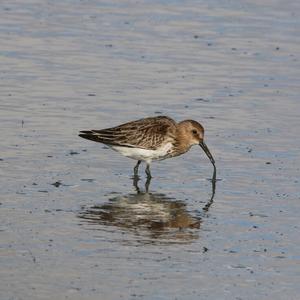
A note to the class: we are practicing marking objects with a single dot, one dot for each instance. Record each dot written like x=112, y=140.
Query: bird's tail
x=91, y=135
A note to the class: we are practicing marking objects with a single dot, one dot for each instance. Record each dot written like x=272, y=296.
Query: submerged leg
x=136, y=168
x=135, y=183
x=148, y=171
x=147, y=184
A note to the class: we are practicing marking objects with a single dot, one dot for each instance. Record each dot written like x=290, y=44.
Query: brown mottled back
x=148, y=133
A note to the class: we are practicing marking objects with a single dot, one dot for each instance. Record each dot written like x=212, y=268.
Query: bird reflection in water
x=152, y=217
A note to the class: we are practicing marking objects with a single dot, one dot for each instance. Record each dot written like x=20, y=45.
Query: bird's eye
x=194, y=131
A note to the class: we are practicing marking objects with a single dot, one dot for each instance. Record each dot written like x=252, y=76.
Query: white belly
x=144, y=154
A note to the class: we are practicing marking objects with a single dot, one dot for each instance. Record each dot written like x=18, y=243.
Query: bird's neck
x=182, y=143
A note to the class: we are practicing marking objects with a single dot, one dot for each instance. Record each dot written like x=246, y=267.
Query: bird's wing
x=148, y=133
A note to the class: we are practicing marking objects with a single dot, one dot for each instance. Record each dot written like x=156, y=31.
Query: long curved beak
x=207, y=152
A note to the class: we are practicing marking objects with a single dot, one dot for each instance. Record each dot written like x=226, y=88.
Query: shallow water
x=72, y=223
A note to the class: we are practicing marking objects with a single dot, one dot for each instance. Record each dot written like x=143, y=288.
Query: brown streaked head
x=191, y=131
x=193, y=134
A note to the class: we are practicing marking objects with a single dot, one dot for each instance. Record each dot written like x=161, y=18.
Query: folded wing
x=148, y=133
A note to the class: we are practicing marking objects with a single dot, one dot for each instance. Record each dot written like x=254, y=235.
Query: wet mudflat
x=74, y=226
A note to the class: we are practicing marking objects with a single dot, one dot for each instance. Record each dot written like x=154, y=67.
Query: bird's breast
x=145, y=154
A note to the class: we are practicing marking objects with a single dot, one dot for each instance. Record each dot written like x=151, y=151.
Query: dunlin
x=150, y=139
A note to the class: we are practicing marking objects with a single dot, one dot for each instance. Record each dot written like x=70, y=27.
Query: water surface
x=73, y=226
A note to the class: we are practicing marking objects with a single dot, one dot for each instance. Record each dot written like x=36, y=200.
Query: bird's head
x=193, y=134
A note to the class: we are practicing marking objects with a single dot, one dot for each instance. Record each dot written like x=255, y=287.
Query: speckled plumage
x=149, y=139
x=148, y=133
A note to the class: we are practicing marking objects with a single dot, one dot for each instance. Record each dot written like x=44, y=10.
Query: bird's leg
x=147, y=184
x=148, y=171
x=136, y=168
x=135, y=183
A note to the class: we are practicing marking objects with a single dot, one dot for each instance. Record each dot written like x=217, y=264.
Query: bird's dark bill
x=207, y=152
